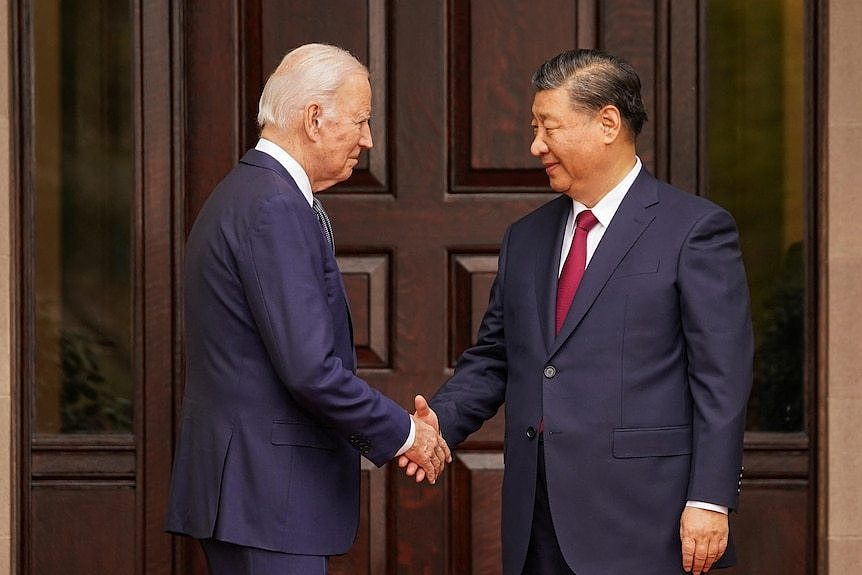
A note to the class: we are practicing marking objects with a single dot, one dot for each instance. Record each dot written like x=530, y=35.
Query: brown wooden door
x=418, y=229
x=96, y=337
x=418, y=225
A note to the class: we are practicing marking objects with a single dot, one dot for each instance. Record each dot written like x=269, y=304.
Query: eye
x=551, y=131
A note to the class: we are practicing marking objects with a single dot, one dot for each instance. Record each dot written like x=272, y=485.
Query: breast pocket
x=635, y=267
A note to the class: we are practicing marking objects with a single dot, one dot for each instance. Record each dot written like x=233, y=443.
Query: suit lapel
x=631, y=219
x=549, y=241
x=262, y=160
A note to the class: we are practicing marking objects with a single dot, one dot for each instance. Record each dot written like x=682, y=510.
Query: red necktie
x=573, y=269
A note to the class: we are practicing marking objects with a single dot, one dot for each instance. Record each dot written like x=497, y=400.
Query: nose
x=538, y=146
x=365, y=139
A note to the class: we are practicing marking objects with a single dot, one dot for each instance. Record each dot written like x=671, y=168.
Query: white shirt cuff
x=709, y=506
x=411, y=437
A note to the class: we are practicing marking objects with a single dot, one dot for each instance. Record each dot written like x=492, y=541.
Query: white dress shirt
x=604, y=211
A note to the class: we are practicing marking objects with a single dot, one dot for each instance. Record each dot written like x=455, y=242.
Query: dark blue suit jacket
x=274, y=418
x=643, y=392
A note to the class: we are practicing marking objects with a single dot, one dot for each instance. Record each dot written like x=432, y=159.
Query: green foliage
x=88, y=403
x=779, y=358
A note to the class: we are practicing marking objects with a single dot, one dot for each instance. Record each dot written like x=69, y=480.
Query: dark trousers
x=543, y=555
x=229, y=559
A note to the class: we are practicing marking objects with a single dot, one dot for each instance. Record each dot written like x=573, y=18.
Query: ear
x=611, y=121
x=311, y=115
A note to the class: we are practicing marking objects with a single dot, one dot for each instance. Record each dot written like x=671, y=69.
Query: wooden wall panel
x=662, y=41
x=495, y=49
x=420, y=228
x=477, y=482
x=504, y=53
x=359, y=27
x=470, y=279
x=367, y=281
x=160, y=231
x=772, y=529
x=82, y=529
x=681, y=151
x=212, y=112
x=285, y=25
x=631, y=30
x=368, y=555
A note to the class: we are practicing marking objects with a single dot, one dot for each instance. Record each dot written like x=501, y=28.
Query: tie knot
x=586, y=220
x=315, y=203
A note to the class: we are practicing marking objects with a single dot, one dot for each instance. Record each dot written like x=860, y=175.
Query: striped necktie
x=325, y=224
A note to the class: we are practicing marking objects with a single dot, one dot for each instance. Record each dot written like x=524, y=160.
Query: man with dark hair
x=618, y=334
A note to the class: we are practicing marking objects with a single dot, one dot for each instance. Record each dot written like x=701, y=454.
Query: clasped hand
x=429, y=453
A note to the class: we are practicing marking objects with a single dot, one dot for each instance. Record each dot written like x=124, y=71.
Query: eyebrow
x=544, y=117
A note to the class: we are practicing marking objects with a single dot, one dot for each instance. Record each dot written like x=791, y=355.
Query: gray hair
x=595, y=79
x=312, y=72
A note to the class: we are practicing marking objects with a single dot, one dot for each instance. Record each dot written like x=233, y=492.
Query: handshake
x=429, y=453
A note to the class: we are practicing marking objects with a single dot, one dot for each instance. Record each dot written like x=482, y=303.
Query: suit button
x=531, y=432
x=550, y=371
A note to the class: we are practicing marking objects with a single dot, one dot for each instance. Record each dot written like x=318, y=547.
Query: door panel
x=95, y=148
x=65, y=540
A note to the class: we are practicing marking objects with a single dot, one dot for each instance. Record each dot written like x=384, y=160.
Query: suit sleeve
x=286, y=291
x=716, y=322
x=478, y=388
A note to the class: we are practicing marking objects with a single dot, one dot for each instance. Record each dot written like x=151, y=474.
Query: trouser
x=544, y=556
x=228, y=559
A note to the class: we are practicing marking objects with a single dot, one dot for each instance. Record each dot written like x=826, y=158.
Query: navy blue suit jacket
x=643, y=392
x=274, y=418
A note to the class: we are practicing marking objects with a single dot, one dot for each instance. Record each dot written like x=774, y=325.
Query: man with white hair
x=266, y=470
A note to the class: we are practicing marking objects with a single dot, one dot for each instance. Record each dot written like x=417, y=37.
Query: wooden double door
x=418, y=228
x=419, y=225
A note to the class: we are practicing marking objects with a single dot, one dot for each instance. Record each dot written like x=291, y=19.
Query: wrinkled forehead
x=354, y=95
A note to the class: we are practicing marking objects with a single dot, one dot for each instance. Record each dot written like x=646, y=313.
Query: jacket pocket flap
x=652, y=441
x=635, y=268
x=284, y=433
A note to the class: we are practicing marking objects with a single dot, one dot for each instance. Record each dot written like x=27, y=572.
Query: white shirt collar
x=605, y=209
x=292, y=166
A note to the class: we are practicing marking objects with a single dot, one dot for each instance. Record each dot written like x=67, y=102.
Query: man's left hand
x=703, y=534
